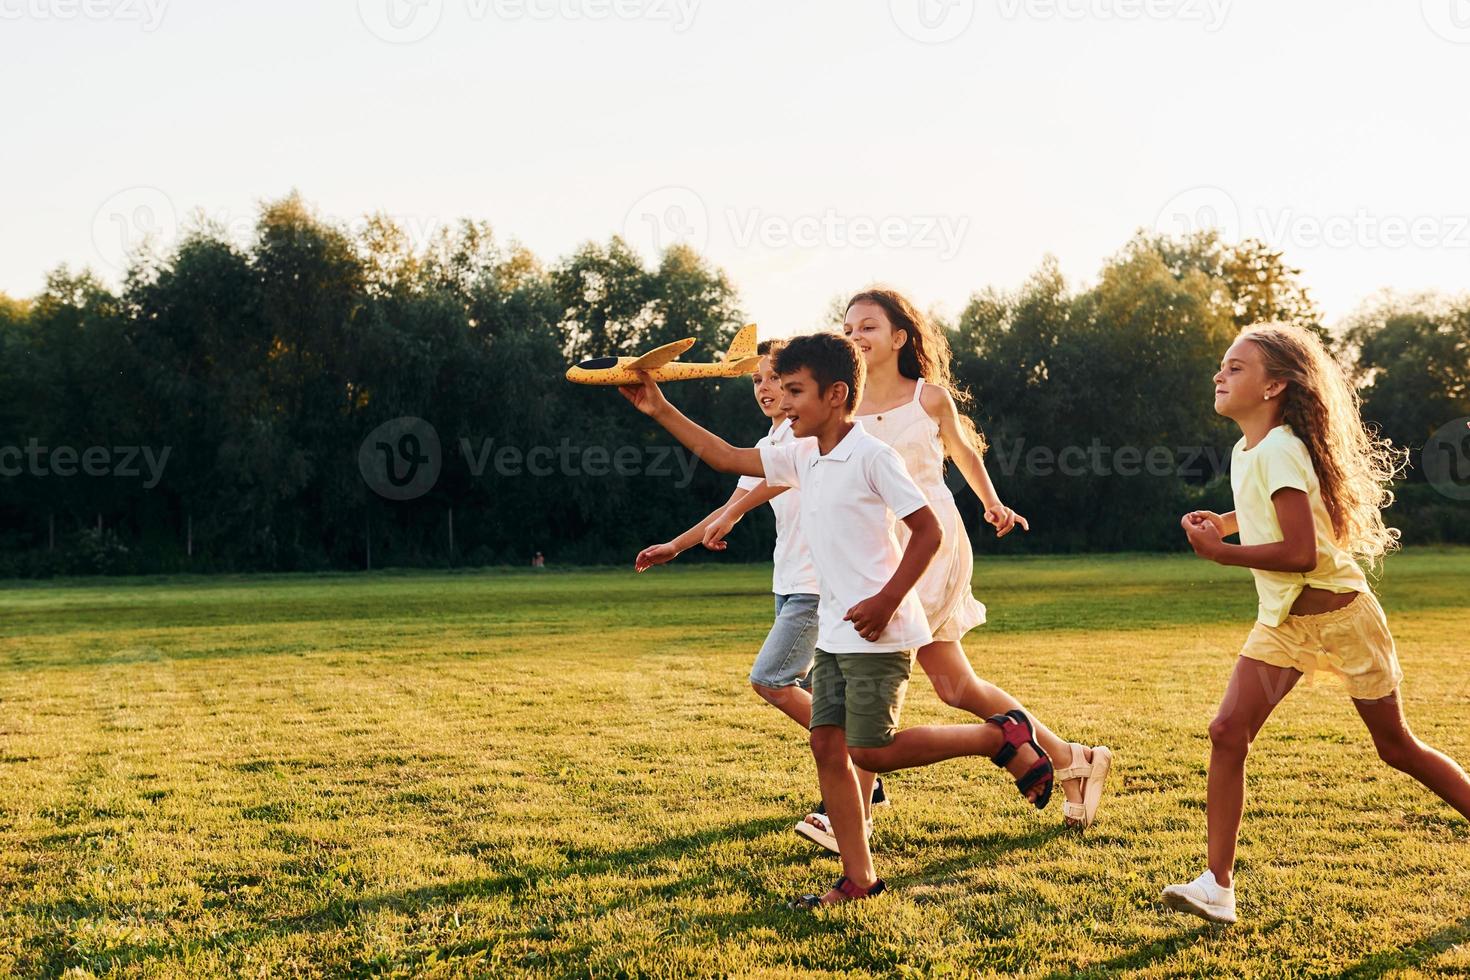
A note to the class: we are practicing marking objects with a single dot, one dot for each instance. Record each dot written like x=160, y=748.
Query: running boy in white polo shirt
x=869, y=621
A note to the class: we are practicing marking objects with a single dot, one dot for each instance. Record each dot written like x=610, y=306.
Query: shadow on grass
x=1393, y=960
x=1137, y=959
x=51, y=960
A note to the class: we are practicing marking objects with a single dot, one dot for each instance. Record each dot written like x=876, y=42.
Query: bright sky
x=808, y=148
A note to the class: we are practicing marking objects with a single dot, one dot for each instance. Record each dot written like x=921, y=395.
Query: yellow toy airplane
x=661, y=365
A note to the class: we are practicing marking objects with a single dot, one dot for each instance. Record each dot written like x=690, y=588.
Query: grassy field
x=565, y=773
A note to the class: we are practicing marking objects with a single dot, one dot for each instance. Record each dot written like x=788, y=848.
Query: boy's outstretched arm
x=870, y=617
x=709, y=447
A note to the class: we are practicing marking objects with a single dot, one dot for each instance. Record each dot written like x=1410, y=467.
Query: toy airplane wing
x=662, y=363
x=660, y=356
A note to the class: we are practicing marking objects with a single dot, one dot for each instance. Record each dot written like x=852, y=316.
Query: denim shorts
x=786, y=656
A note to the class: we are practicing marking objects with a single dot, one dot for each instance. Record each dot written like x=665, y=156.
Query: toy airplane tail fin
x=742, y=346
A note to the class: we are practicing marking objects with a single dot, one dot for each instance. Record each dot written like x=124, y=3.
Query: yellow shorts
x=1352, y=642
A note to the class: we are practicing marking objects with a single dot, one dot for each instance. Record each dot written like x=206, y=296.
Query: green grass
x=565, y=773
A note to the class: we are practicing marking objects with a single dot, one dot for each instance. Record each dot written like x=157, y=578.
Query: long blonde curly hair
x=925, y=354
x=1355, y=467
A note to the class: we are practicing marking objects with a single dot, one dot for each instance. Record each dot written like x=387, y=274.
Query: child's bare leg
x=958, y=686
x=1255, y=689
x=928, y=744
x=794, y=702
x=844, y=804
x=1399, y=747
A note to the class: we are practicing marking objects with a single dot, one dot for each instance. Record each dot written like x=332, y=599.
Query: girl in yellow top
x=1309, y=482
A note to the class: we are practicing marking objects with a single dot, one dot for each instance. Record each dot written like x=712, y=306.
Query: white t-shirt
x=849, y=500
x=794, y=573
x=1278, y=461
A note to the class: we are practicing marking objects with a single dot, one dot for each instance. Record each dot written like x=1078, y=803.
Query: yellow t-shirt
x=1278, y=461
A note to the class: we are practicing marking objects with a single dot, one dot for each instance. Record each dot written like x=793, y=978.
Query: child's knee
x=1400, y=752
x=873, y=760
x=829, y=745
x=1227, y=734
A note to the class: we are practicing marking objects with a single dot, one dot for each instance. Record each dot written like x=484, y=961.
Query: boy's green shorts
x=861, y=693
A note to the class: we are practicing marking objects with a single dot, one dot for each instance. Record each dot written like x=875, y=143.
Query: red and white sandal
x=1016, y=729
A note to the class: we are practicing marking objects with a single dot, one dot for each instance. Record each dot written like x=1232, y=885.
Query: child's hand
x=1004, y=520
x=1195, y=516
x=870, y=617
x=645, y=396
x=655, y=554
x=1204, y=536
x=714, y=534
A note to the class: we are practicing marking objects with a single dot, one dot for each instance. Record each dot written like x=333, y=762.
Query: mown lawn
x=565, y=773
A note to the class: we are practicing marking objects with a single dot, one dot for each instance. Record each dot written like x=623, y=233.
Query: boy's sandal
x=1095, y=774
x=844, y=886
x=1016, y=729
x=817, y=827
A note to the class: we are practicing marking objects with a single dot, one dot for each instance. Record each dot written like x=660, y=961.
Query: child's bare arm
x=940, y=404
x=658, y=554
x=1296, y=552
x=715, y=531
x=709, y=447
x=871, y=616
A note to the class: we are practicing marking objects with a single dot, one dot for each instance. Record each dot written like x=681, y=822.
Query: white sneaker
x=1202, y=897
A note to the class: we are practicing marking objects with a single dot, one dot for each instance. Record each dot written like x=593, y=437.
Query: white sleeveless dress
x=944, y=588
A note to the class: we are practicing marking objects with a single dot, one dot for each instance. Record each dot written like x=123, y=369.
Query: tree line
x=225, y=408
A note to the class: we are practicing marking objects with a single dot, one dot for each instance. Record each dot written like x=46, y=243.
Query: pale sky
x=808, y=148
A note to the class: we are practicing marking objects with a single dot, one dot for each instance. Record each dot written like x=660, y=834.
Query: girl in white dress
x=909, y=402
